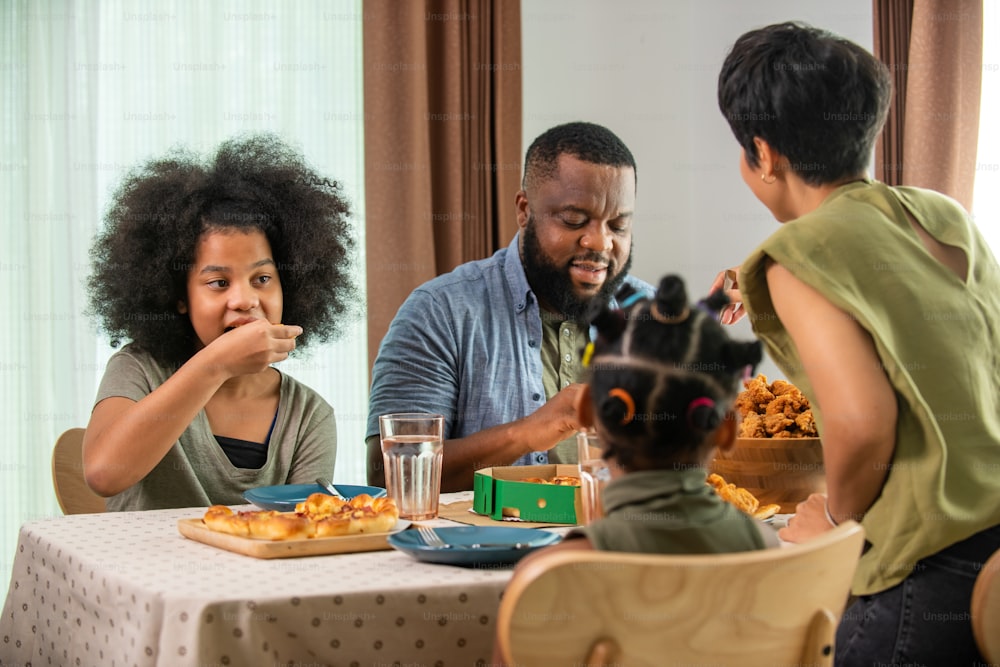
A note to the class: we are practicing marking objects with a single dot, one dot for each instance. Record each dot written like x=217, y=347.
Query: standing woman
x=883, y=304
x=215, y=270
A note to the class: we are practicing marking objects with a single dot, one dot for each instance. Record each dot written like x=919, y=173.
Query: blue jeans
x=923, y=621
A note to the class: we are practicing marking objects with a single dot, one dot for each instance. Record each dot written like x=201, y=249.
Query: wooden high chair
x=759, y=608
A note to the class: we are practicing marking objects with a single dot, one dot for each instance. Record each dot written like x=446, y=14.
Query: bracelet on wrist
x=829, y=517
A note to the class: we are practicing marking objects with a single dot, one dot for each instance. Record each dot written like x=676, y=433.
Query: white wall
x=647, y=69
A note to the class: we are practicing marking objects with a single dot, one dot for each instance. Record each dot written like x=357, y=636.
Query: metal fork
x=434, y=541
x=431, y=538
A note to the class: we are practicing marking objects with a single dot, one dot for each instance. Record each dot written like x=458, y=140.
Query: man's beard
x=554, y=287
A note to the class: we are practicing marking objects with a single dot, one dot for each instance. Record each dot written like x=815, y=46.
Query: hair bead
x=701, y=414
x=629, y=402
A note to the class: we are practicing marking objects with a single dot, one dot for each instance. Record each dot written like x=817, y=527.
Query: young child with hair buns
x=662, y=380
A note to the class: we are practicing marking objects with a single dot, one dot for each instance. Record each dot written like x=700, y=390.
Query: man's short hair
x=585, y=141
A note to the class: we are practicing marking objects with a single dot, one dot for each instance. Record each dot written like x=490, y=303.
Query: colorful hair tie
x=631, y=299
x=625, y=398
x=693, y=406
x=669, y=319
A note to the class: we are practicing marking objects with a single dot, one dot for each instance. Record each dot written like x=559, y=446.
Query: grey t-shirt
x=196, y=472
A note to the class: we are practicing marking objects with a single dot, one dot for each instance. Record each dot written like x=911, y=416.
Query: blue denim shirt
x=466, y=345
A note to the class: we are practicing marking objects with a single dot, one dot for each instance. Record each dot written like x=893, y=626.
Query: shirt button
x=566, y=333
x=568, y=357
x=531, y=343
x=536, y=397
x=565, y=383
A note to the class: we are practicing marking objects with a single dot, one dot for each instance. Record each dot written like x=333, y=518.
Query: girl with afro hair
x=214, y=271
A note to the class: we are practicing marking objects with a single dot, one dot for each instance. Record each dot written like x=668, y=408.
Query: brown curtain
x=893, y=19
x=442, y=141
x=934, y=48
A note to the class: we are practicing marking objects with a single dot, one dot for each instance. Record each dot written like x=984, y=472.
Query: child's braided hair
x=663, y=373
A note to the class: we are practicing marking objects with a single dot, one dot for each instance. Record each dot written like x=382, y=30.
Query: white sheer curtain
x=88, y=89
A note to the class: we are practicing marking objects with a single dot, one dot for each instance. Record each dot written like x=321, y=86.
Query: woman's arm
x=852, y=392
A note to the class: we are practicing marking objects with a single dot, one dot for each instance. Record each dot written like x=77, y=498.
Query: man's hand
x=557, y=418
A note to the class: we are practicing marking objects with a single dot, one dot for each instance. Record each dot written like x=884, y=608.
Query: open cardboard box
x=502, y=492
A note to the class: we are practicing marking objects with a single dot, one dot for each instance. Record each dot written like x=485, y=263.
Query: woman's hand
x=727, y=282
x=809, y=520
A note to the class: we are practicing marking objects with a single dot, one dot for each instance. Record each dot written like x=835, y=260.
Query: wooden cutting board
x=460, y=512
x=196, y=530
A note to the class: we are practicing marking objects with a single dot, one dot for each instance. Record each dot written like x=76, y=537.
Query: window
x=91, y=89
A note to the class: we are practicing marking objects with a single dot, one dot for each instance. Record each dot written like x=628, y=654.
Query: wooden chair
x=590, y=608
x=986, y=610
x=72, y=492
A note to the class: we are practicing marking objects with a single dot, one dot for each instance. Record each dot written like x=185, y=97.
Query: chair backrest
x=986, y=609
x=72, y=492
x=779, y=606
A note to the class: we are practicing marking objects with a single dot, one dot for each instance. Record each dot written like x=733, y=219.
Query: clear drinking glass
x=412, y=450
x=595, y=474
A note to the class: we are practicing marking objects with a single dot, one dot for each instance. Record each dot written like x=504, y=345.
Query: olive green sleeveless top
x=938, y=339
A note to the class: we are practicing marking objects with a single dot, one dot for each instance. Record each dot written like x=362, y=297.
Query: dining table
x=126, y=589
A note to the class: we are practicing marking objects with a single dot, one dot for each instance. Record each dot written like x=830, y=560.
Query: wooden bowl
x=776, y=470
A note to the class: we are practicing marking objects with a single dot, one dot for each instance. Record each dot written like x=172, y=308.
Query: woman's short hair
x=818, y=99
x=158, y=214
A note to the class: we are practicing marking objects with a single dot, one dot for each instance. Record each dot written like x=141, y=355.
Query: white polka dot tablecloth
x=126, y=589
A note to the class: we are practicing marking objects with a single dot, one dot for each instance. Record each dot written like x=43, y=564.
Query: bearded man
x=494, y=345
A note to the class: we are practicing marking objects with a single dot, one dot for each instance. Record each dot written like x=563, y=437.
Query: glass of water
x=595, y=473
x=412, y=450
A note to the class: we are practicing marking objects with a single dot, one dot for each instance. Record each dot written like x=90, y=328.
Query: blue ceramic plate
x=284, y=497
x=503, y=541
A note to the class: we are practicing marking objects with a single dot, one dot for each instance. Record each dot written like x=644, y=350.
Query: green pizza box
x=502, y=492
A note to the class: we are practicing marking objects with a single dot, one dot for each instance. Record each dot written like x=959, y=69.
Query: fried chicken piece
x=786, y=404
x=782, y=387
x=733, y=494
x=775, y=410
x=745, y=405
x=776, y=423
x=756, y=394
x=806, y=424
x=715, y=480
x=752, y=426
x=766, y=511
